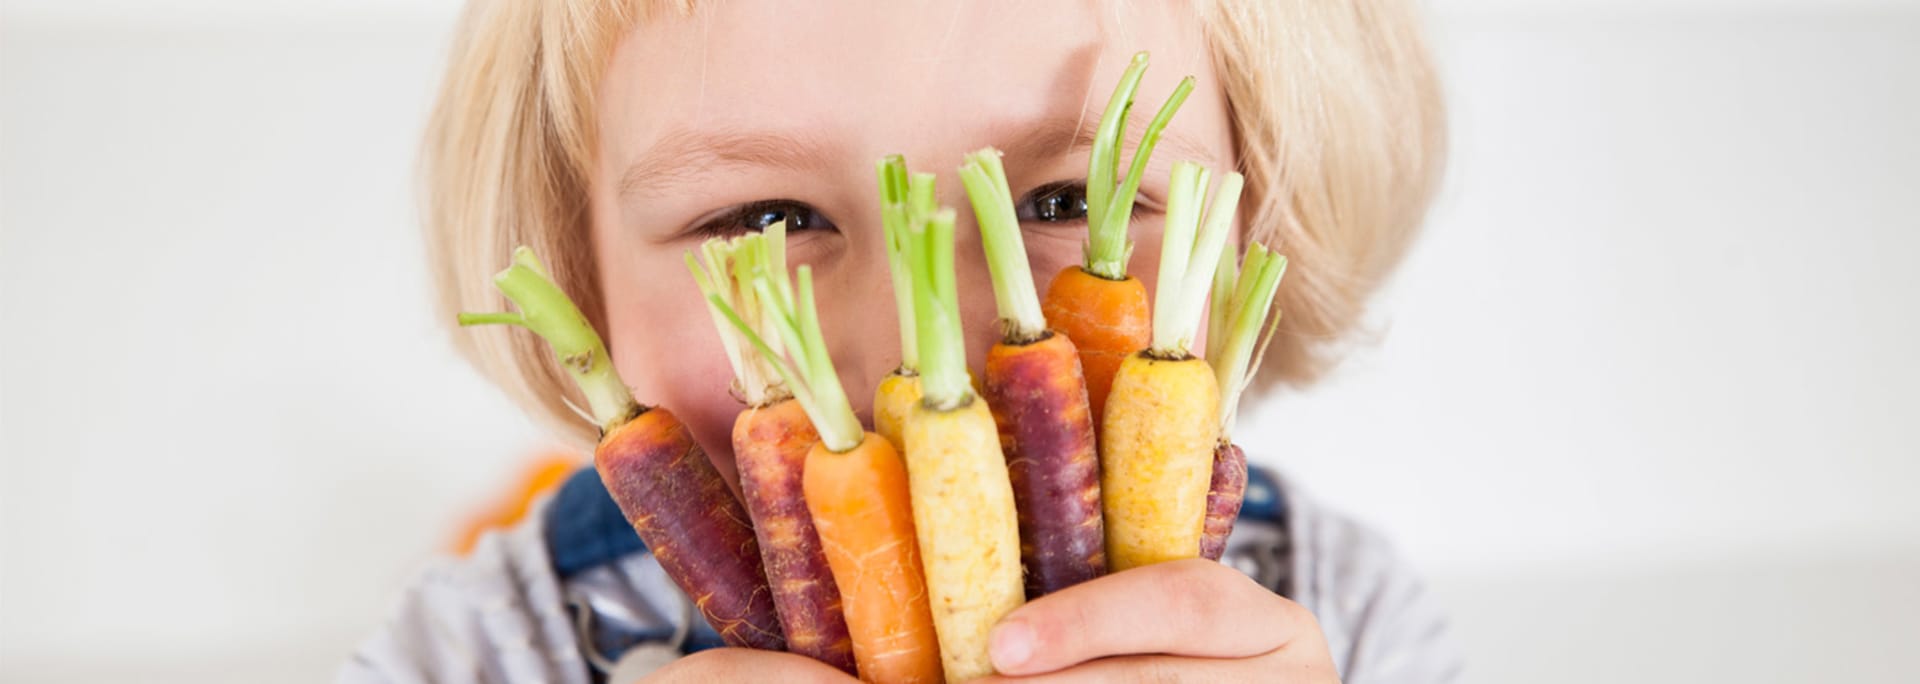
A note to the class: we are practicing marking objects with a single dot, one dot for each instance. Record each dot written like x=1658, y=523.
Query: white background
x=1644, y=404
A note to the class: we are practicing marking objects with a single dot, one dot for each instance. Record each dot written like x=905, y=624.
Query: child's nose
x=858, y=311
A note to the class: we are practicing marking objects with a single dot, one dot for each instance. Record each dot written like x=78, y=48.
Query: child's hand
x=747, y=665
x=1187, y=621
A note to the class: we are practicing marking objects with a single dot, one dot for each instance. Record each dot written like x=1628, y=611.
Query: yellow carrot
x=894, y=398
x=1162, y=416
x=1158, y=438
x=963, y=506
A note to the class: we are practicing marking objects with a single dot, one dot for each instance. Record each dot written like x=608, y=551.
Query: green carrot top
x=1021, y=321
x=1241, y=300
x=546, y=310
x=728, y=276
x=802, y=358
x=1110, y=208
x=928, y=251
x=894, y=181
x=1189, y=253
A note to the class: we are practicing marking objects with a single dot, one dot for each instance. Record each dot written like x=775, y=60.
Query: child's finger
x=1188, y=608
x=748, y=665
x=1162, y=669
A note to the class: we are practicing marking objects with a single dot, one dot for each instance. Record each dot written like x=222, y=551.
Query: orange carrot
x=665, y=485
x=1096, y=304
x=1107, y=321
x=859, y=501
x=856, y=491
x=771, y=439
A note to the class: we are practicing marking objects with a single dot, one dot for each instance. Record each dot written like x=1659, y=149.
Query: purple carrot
x=1224, y=495
x=1039, y=399
x=692, y=523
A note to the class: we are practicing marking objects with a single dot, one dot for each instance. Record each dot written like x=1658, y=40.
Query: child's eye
x=754, y=217
x=1057, y=202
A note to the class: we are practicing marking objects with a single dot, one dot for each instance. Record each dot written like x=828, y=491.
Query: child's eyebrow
x=686, y=157
x=1059, y=136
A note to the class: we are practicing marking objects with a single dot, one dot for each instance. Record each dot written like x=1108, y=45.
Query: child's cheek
x=681, y=367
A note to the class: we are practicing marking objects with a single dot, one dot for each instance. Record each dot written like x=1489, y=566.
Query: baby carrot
x=856, y=492
x=962, y=501
x=1097, y=304
x=1038, y=396
x=771, y=439
x=894, y=398
x=666, y=486
x=1158, y=434
x=1240, y=303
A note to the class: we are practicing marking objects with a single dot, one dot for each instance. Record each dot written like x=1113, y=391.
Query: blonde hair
x=1335, y=106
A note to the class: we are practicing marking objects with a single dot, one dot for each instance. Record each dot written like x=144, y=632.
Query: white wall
x=1643, y=404
x=1647, y=404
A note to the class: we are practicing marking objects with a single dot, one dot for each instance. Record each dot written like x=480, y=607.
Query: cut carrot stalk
x=1241, y=300
x=1038, y=395
x=962, y=501
x=771, y=440
x=1162, y=421
x=856, y=491
x=894, y=398
x=1097, y=304
x=664, y=483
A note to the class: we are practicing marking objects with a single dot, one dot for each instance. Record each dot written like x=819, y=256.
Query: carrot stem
x=892, y=171
x=1013, y=291
x=806, y=367
x=1242, y=300
x=546, y=310
x=727, y=275
x=1110, y=208
x=1189, y=254
x=936, y=305
x=1104, y=163
x=497, y=317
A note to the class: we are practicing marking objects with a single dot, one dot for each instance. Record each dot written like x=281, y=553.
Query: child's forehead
x=844, y=75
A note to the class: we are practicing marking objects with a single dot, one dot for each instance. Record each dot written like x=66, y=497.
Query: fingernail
x=1011, y=645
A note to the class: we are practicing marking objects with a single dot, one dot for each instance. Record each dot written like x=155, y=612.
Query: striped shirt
x=566, y=594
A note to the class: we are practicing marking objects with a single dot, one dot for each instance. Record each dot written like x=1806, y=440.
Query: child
x=612, y=139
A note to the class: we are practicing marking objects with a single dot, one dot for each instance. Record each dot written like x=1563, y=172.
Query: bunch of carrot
x=1098, y=440
x=772, y=439
x=854, y=483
